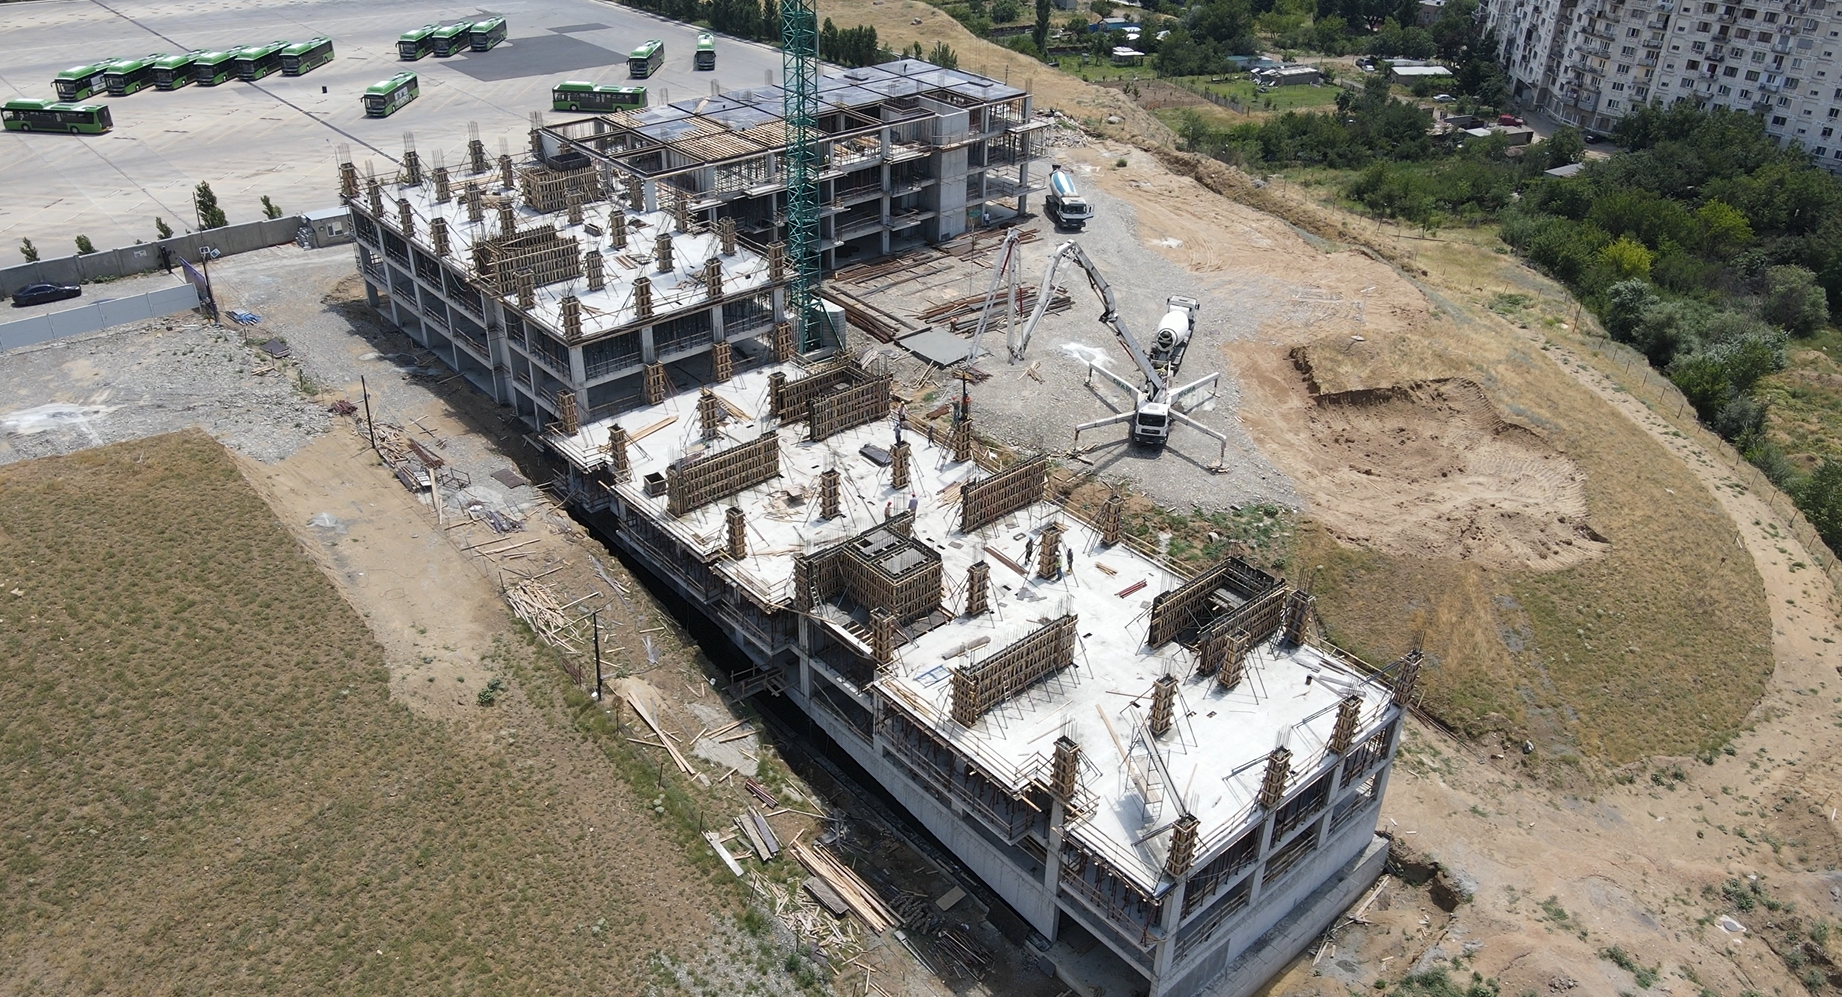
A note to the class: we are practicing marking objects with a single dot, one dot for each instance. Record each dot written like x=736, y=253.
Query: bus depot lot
x=278, y=137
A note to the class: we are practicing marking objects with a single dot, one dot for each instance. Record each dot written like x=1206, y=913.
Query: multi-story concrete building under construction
x=567, y=283
x=1173, y=778
x=1179, y=767
x=1589, y=62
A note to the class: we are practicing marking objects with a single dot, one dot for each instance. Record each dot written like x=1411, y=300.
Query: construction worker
x=889, y=509
x=1029, y=547
x=1070, y=552
x=914, y=501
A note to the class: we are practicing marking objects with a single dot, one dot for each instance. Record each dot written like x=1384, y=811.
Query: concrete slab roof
x=1214, y=755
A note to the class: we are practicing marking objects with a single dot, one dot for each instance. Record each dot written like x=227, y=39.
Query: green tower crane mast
x=799, y=41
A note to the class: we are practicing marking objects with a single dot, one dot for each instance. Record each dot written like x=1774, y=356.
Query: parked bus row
x=161, y=71
x=444, y=40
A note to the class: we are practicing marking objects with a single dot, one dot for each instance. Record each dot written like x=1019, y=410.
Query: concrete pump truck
x=1157, y=405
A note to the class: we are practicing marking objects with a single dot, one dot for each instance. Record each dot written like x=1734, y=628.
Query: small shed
x=328, y=226
x=1563, y=172
x=1125, y=55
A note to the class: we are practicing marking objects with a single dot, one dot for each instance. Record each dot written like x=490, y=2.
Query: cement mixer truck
x=1065, y=205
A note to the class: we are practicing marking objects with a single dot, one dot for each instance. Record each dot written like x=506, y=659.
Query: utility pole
x=369, y=426
x=594, y=620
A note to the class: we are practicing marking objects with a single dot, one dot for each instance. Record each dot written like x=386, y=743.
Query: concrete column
x=648, y=354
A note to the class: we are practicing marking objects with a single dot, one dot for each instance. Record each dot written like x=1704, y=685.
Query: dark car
x=38, y=294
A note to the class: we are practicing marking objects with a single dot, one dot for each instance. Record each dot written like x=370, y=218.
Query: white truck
x=1065, y=205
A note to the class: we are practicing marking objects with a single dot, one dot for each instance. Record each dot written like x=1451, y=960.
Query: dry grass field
x=206, y=788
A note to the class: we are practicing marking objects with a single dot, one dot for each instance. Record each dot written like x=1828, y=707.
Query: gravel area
x=154, y=377
x=1034, y=415
x=148, y=378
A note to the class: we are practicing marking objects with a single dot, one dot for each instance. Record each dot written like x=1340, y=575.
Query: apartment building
x=1589, y=62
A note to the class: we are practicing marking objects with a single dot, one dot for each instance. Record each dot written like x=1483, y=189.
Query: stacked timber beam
x=856, y=893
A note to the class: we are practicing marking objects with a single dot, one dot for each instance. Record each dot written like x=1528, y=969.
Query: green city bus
x=302, y=58
x=576, y=95
x=175, y=71
x=383, y=99
x=126, y=76
x=706, y=51
x=646, y=59
x=451, y=38
x=52, y=116
x=413, y=45
x=79, y=82
x=253, y=62
x=486, y=34
x=211, y=68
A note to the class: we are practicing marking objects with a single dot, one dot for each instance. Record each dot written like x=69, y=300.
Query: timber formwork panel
x=790, y=400
x=547, y=190
x=834, y=412
x=1192, y=604
x=979, y=687
x=692, y=483
x=988, y=501
x=908, y=596
x=548, y=257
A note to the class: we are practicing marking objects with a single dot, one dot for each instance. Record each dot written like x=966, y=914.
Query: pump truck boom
x=1156, y=404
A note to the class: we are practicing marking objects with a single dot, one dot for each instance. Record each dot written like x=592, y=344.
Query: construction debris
x=856, y=893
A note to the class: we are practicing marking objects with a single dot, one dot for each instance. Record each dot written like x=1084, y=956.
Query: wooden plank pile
x=856, y=893
x=665, y=740
x=754, y=827
x=807, y=919
x=536, y=605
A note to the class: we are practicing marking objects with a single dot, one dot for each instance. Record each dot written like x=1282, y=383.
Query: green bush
x=84, y=246
x=29, y=251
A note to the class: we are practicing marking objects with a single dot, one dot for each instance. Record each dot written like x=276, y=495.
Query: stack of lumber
x=807, y=919
x=534, y=603
x=856, y=893
x=894, y=266
x=754, y=827
x=640, y=710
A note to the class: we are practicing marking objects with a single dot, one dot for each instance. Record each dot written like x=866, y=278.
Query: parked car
x=1593, y=138
x=1508, y=120
x=38, y=294
x=1445, y=98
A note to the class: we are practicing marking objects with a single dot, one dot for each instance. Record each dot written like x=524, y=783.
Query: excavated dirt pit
x=1431, y=470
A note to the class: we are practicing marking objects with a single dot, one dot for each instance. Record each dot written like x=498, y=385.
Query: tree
x=943, y=56
x=1564, y=147
x=1040, y=33
x=1724, y=228
x=85, y=246
x=29, y=251
x=165, y=230
x=1626, y=259
x=1820, y=497
x=1793, y=301
x=1627, y=303
x=1004, y=11
x=204, y=202
x=269, y=210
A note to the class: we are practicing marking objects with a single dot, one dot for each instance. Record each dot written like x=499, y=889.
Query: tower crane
x=1156, y=405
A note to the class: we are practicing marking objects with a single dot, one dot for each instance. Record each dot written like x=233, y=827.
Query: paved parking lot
x=281, y=136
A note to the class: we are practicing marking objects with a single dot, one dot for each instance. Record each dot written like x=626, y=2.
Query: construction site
x=1182, y=769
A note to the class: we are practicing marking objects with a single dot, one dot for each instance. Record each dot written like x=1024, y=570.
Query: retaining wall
x=145, y=256
x=95, y=316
